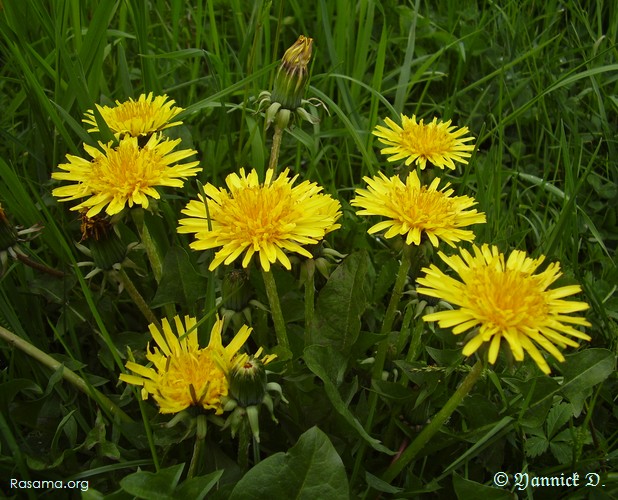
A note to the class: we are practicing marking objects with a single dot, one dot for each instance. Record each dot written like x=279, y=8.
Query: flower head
x=126, y=174
x=182, y=373
x=266, y=219
x=142, y=117
x=504, y=298
x=436, y=142
x=414, y=210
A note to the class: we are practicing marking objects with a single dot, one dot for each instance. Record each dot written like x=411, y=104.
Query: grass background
x=536, y=83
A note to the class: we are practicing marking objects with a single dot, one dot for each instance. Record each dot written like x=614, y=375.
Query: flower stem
x=309, y=300
x=387, y=325
x=434, y=426
x=244, y=436
x=200, y=436
x=69, y=375
x=389, y=319
x=275, y=310
x=138, y=299
x=274, y=150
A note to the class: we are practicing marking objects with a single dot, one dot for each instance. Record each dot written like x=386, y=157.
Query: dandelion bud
x=293, y=75
x=107, y=250
x=235, y=290
x=248, y=381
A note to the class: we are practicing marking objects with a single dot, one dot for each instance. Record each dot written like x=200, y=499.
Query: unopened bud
x=106, y=247
x=292, y=75
x=248, y=381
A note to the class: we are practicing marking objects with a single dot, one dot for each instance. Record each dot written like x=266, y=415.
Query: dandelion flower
x=414, y=210
x=437, y=142
x=183, y=374
x=266, y=219
x=126, y=174
x=504, y=298
x=142, y=117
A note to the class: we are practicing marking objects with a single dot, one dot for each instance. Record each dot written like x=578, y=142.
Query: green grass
x=537, y=85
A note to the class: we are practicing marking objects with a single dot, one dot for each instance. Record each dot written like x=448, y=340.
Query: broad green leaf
x=311, y=469
x=466, y=489
x=494, y=432
x=583, y=370
x=393, y=391
x=535, y=446
x=341, y=303
x=385, y=279
x=197, y=488
x=321, y=360
x=557, y=417
x=160, y=485
x=445, y=357
x=12, y=387
x=563, y=452
x=379, y=485
x=180, y=282
x=538, y=393
x=45, y=463
x=423, y=376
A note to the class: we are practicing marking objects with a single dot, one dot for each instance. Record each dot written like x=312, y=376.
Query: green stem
x=309, y=300
x=406, y=261
x=138, y=299
x=434, y=426
x=389, y=319
x=69, y=375
x=200, y=436
x=274, y=150
x=378, y=365
x=415, y=342
x=275, y=310
x=151, y=247
x=147, y=427
x=244, y=436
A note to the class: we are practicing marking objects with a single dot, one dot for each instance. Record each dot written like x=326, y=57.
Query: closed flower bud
x=293, y=75
x=108, y=251
x=248, y=381
x=236, y=290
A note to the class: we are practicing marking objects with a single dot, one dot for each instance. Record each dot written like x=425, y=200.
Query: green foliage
x=310, y=469
x=536, y=85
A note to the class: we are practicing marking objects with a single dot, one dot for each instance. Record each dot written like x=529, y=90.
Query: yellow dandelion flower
x=437, y=142
x=142, y=117
x=259, y=218
x=414, y=210
x=126, y=174
x=183, y=374
x=504, y=298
